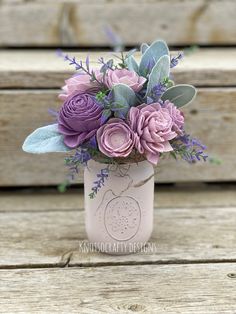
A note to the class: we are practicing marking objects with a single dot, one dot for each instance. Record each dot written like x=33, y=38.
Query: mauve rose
x=124, y=76
x=81, y=83
x=152, y=125
x=176, y=115
x=115, y=138
x=79, y=118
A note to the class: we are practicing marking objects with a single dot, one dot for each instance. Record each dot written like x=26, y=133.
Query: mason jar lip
x=134, y=158
x=93, y=163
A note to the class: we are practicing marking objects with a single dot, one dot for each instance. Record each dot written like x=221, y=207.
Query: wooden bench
x=188, y=266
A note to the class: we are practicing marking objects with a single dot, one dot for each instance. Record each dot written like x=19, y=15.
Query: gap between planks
x=177, y=196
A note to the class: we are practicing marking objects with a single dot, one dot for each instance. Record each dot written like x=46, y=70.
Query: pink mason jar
x=119, y=219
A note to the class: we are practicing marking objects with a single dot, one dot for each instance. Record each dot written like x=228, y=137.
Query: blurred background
x=31, y=74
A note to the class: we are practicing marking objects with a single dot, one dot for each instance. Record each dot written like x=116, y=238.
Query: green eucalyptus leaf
x=159, y=72
x=180, y=95
x=151, y=55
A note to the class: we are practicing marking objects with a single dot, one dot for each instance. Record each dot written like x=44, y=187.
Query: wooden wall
x=30, y=78
x=81, y=22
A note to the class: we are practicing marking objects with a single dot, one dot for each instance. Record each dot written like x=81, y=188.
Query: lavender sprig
x=100, y=182
x=160, y=88
x=175, y=60
x=189, y=149
x=106, y=65
x=80, y=158
x=79, y=66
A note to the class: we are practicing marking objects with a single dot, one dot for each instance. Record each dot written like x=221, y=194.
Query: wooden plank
x=186, y=196
x=43, y=69
x=211, y=118
x=72, y=23
x=57, y=238
x=171, y=289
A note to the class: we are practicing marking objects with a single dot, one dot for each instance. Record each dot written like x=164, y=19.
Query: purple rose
x=115, y=138
x=153, y=127
x=79, y=119
x=124, y=76
x=176, y=115
x=81, y=83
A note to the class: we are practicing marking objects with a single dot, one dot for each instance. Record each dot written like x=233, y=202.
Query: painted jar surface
x=119, y=219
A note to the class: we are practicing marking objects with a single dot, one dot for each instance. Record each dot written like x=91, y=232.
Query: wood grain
x=185, y=289
x=211, y=118
x=43, y=69
x=57, y=238
x=81, y=23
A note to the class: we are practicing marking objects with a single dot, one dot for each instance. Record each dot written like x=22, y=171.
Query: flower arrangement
x=121, y=112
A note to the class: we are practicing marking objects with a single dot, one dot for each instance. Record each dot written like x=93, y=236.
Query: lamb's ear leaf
x=125, y=97
x=45, y=140
x=159, y=72
x=132, y=64
x=144, y=47
x=130, y=52
x=180, y=95
x=151, y=55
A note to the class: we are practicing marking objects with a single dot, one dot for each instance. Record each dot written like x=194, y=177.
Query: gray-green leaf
x=144, y=47
x=180, y=95
x=45, y=140
x=159, y=72
x=124, y=96
x=151, y=55
x=132, y=64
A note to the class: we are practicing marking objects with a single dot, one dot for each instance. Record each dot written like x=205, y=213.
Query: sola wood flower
x=153, y=127
x=79, y=119
x=81, y=83
x=120, y=109
x=115, y=138
x=176, y=115
x=124, y=76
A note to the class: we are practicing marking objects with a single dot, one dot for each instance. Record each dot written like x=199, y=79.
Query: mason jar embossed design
x=119, y=219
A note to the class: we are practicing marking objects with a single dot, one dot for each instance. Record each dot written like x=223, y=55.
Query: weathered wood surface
x=43, y=69
x=81, y=23
x=185, y=289
x=45, y=266
x=211, y=118
x=176, y=196
x=42, y=235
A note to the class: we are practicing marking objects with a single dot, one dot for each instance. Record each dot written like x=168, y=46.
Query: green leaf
x=130, y=53
x=105, y=115
x=132, y=64
x=159, y=72
x=45, y=140
x=151, y=55
x=124, y=96
x=144, y=47
x=180, y=95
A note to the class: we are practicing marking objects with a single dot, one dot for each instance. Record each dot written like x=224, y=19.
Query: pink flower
x=115, y=138
x=176, y=115
x=153, y=127
x=124, y=76
x=80, y=83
